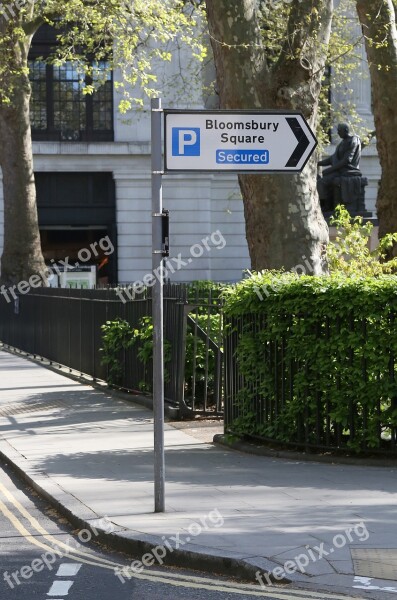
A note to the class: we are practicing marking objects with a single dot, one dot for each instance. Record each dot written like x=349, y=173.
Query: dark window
x=60, y=110
x=75, y=210
x=38, y=111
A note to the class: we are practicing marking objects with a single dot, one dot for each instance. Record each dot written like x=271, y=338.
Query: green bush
x=200, y=362
x=350, y=252
x=316, y=352
x=144, y=337
x=119, y=336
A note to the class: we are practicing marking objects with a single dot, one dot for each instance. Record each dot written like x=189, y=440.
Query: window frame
x=42, y=48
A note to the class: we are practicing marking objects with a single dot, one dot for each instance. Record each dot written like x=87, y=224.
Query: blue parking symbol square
x=185, y=141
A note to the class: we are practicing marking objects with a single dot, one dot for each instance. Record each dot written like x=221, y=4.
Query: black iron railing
x=350, y=404
x=64, y=326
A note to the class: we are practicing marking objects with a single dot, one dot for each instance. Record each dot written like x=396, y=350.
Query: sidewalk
x=92, y=454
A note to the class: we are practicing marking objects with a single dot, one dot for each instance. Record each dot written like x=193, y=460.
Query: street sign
x=237, y=141
x=234, y=141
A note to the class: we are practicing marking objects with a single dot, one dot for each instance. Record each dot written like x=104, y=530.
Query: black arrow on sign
x=303, y=142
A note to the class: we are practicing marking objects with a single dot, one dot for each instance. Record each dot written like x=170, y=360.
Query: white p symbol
x=187, y=137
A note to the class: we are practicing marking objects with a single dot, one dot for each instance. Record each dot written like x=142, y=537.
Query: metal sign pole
x=157, y=307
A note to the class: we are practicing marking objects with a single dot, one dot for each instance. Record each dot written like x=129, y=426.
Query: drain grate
x=379, y=563
x=18, y=408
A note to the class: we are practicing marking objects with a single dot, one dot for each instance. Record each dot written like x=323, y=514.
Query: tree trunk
x=284, y=227
x=22, y=256
x=284, y=222
x=379, y=28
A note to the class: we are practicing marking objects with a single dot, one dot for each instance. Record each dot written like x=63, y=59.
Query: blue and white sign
x=237, y=141
x=186, y=141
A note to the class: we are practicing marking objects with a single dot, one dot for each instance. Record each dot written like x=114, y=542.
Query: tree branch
x=236, y=40
x=308, y=30
x=31, y=27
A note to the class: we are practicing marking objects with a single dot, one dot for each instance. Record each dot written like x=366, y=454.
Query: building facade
x=92, y=168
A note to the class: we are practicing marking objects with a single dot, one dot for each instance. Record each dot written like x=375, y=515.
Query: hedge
x=315, y=360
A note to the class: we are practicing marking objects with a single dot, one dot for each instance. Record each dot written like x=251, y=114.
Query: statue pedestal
x=349, y=191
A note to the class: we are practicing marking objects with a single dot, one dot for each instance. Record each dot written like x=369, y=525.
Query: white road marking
x=366, y=584
x=68, y=569
x=178, y=580
x=60, y=588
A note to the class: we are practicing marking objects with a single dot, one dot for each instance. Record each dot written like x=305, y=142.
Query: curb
x=136, y=543
x=82, y=517
x=120, y=539
x=230, y=442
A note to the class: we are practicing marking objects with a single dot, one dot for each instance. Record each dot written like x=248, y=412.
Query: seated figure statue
x=342, y=181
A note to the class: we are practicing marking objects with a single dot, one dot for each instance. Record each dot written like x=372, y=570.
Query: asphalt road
x=42, y=557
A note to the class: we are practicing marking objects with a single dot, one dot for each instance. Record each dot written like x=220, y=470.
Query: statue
x=342, y=181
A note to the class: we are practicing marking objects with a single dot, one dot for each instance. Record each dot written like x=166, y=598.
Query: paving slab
x=92, y=454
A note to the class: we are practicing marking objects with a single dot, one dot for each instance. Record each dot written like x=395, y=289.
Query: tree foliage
x=277, y=56
x=131, y=36
x=350, y=253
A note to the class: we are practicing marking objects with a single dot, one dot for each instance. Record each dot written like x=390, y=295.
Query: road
x=42, y=557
